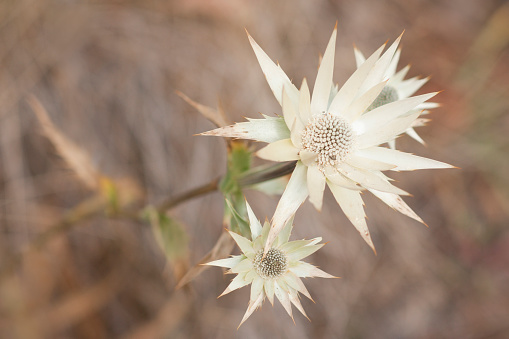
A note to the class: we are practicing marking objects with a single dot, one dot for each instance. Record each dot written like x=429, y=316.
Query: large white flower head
x=334, y=140
x=275, y=273
x=398, y=87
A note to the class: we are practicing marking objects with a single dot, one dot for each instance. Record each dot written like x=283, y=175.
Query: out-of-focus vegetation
x=107, y=73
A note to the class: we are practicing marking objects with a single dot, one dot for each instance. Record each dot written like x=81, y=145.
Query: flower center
x=387, y=95
x=330, y=137
x=272, y=266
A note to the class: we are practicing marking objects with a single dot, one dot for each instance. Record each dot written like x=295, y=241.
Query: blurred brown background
x=107, y=72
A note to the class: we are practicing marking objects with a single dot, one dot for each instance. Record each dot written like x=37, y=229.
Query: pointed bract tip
x=304, y=82
x=336, y=26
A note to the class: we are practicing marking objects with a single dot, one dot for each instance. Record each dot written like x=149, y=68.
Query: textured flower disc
x=330, y=137
x=273, y=265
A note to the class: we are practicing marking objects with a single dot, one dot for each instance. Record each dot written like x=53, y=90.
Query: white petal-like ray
x=316, y=186
x=228, y=262
x=269, y=290
x=411, y=86
x=339, y=179
x=308, y=158
x=251, y=275
x=269, y=129
x=428, y=105
x=392, y=143
x=315, y=241
x=244, y=266
x=384, y=114
x=368, y=179
x=294, y=245
x=295, y=282
x=238, y=282
x=276, y=77
x=304, y=103
x=281, y=150
x=284, y=235
x=359, y=57
x=382, y=135
x=378, y=72
x=399, y=76
x=403, y=161
x=352, y=205
x=321, y=90
x=348, y=93
x=369, y=164
x=256, y=289
x=292, y=119
x=289, y=109
x=253, y=305
x=305, y=270
x=294, y=195
x=254, y=223
x=303, y=252
x=295, y=300
x=359, y=106
x=265, y=231
x=244, y=244
x=394, y=64
x=395, y=202
x=413, y=134
x=283, y=298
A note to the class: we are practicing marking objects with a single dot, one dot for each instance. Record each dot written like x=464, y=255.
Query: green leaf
x=238, y=222
x=239, y=161
x=169, y=234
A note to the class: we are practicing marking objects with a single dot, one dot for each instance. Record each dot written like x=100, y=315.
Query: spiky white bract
x=334, y=140
x=277, y=273
x=397, y=88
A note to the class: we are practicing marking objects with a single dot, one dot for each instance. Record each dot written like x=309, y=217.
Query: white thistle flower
x=398, y=88
x=333, y=142
x=278, y=272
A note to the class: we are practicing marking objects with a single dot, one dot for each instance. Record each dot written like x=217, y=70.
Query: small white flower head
x=399, y=88
x=275, y=273
x=335, y=135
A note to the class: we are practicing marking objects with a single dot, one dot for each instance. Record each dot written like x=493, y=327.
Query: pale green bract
x=277, y=274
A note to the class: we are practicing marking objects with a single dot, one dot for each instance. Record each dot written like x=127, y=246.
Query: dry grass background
x=107, y=72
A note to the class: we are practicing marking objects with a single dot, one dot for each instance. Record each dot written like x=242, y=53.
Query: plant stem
x=196, y=192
